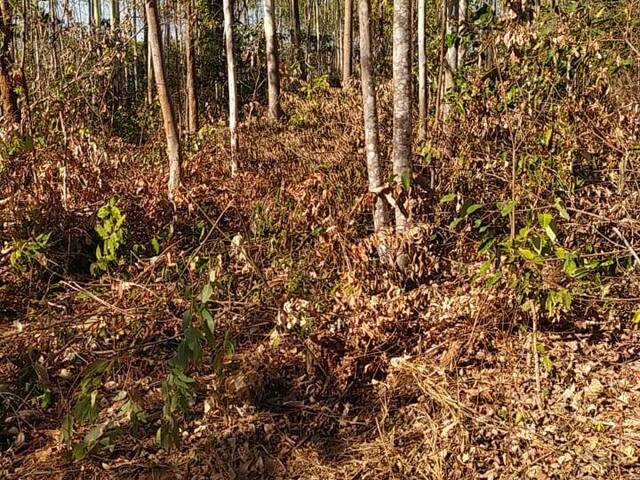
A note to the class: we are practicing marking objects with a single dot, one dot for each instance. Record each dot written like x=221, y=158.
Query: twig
x=78, y=288
x=627, y=244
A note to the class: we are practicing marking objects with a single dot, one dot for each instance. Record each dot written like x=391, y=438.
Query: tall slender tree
x=192, y=85
x=8, y=96
x=115, y=14
x=97, y=13
x=149, y=59
x=422, y=69
x=347, y=40
x=401, y=101
x=295, y=38
x=273, y=65
x=231, y=79
x=171, y=131
x=463, y=12
x=451, y=57
x=371, y=139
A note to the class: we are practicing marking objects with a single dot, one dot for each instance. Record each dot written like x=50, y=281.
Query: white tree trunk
x=422, y=70
x=401, y=100
x=371, y=140
x=231, y=78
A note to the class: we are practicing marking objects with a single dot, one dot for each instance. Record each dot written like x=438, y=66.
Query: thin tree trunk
x=295, y=38
x=173, y=141
x=231, y=79
x=97, y=13
x=371, y=140
x=8, y=96
x=422, y=70
x=451, y=57
x=347, y=33
x=149, y=58
x=401, y=101
x=134, y=23
x=463, y=10
x=192, y=100
x=273, y=65
x=115, y=15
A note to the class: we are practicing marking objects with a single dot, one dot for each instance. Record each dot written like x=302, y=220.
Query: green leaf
x=207, y=291
x=506, y=208
x=493, y=279
x=548, y=225
x=448, y=198
x=209, y=326
x=155, y=245
x=80, y=451
x=528, y=254
x=561, y=209
x=472, y=208
x=636, y=317
x=548, y=134
x=455, y=223
x=405, y=180
x=486, y=245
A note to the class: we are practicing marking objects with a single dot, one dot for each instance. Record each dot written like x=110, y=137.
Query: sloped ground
x=342, y=366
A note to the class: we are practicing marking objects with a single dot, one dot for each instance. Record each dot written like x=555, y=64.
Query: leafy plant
x=27, y=252
x=112, y=233
x=198, y=325
x=316, y=86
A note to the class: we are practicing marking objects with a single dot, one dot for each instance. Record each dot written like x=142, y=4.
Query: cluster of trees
x=135, y=43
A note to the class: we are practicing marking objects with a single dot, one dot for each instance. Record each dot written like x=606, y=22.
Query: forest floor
x=335, y=365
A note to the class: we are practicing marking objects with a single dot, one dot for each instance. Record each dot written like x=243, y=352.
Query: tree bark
x=115, y=15
x=347, y=33
x=463, y=11
x=273, y=65
x=173, y=141
x=97, y=13
x=8, y=96
x=422, y=70
x=451, y=57
x=371, y=137
x=401, y=101
x=231, y=79
x=295, y=38
x=192, y=99
x=149, y=58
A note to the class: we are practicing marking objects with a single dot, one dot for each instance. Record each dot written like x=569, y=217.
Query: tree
x=401, y=101
x=451, y=56
x=192, y=100
x=347, y=41
x=8, y=96
x=422, y=69
x=173, y=141
x=97, y=13
x=231, y=79
x=463, y=12
x=115, y=14
x=149, y=58
x=295, y=38
x=369, y=107
x=273, y=65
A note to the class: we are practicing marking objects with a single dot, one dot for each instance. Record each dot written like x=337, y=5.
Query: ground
x=328, y=361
